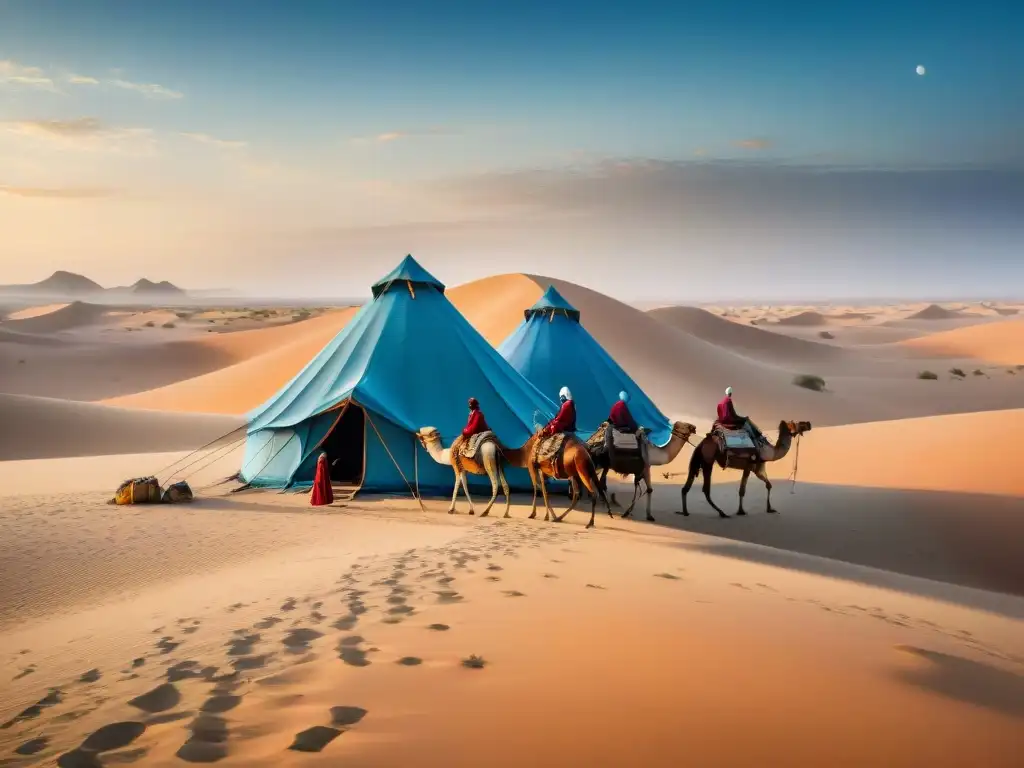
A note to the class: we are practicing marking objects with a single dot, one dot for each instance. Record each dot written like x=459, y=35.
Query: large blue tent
x=552, y=349
x=406, y=360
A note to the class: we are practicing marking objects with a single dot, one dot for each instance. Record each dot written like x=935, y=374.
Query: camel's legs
x=464, y=479
x=706, y=469
x=690, y=477
x=455, y=493
x=574, y=497
x=504, y=489
x=549, y=513
x=743, y=490
x=603, y=480
x=762, y=474
x=632, y=503
x=491, y=466
x=533, y=470
x=650, y=493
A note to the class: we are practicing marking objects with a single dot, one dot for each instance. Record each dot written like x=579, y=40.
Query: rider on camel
x=565, y=419
x=620, y=417
x=729, y=419
x=474, y=426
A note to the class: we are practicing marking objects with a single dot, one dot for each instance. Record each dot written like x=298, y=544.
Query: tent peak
x=410, y=272
x=553, y=303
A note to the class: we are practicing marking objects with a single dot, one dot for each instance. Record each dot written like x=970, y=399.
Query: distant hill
x=163, y=287
x=935, y=312
x=804, y=318
x=70, y=285
x=60, y=283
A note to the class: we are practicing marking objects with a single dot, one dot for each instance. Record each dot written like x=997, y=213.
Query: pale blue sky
x=248, y=142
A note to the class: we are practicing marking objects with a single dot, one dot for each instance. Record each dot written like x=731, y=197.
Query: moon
x=920, y=69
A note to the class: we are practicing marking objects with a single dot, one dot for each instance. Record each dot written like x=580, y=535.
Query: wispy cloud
x=149, y=90
x=391, y=136
x=213, y=141
x=755, y=143
x=82, y=80
x=59, y=193
x=13, y=73
x=84, y=133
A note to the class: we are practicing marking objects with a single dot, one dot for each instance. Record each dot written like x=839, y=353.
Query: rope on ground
x=230, y=445
x=382, y=442
x=197, y=450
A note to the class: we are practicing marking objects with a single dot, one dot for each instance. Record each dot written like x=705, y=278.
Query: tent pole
x=391, y=456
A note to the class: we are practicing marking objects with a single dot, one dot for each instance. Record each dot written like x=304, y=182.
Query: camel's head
x=796, y=427
x=683, y=430
x=428, y=435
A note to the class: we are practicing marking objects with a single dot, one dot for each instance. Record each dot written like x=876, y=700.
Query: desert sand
x=879, y=619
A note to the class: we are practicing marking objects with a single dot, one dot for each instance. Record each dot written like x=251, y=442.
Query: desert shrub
x=474, y=662
x=211, y=321
x=150, y=324
x=168, y=325
x=809, y=381
x=957, y=372
x=183, y=315
x=826, y=335
x=978, y=372
x=928, y=375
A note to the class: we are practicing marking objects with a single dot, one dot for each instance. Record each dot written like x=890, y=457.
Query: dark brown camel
x=708, y=453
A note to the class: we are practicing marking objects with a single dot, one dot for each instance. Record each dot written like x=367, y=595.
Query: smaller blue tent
x=408, y=359
x=552, y=349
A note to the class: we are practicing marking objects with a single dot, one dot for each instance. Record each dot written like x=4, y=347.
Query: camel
x=708, y=453
x=625, y=466
x=574, y=463
x=487, y=463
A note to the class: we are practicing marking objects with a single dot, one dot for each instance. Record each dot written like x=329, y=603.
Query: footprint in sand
x=25, y=672
x=410, y=661
x=160, y=699
x=513, y=593
x=314, y=739
x=242, y=645
x=492, y=578
x=207, y=742
x=439, y=627
x=267, y=622
x=447, y=596
x=594, y=586
x=550, y=576
x=138, y=662
x=668, y=576
x=739, y=586
x=289, y=604
x=346, y=623
x=350, y=652
x=53, y=698
x=298, y=640
x=32, y=746
x=166, y=644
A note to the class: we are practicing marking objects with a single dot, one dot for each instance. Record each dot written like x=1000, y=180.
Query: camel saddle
x=469, y=447
x=550, y=449
x=623, y=443
x=734, y=442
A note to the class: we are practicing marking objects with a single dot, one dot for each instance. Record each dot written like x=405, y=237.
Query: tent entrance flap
x=345, y=446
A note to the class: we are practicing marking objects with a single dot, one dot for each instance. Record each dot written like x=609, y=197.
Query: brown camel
x=708, y=453
x=572, y=463
x=487, y=462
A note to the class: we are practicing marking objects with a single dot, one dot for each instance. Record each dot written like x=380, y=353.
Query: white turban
x=564, y=393
x=728, y=391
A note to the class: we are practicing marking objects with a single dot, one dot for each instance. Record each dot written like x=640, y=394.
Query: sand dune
x=238, y=388
x=804, y=318
x=685, y=374
x=56, y=317
x=935, y=312
x=999, y=342
x=37, y=427
x=252, y=632
x=745, y=339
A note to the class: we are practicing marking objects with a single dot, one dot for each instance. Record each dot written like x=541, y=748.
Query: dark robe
x=621, y=418
x=323, y=493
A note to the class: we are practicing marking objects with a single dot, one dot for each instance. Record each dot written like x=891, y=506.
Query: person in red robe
x=323, y=491
x=620, y=416
x=565, y=419
x=727, y=415
x=477, y=423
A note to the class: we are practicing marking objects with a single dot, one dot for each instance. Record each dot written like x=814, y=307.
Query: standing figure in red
x=323, y=491
x=565, y=419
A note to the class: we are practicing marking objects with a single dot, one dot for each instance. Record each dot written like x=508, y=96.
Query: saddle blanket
x=548, y=447
x=469, y=447
x=623, y=442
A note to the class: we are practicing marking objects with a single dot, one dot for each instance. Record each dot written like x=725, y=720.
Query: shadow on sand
x=971, y=682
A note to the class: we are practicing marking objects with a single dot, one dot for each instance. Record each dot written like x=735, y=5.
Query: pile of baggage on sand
x=146, y=490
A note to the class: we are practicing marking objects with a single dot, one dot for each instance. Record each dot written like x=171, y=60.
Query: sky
x=660, y=151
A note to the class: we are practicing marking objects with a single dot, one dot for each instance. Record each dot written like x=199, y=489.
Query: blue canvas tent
x=552, y=349
x=406, y=360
